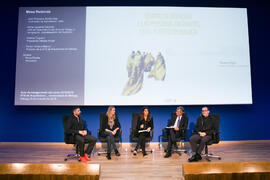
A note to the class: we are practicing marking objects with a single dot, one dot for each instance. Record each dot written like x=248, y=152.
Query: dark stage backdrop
x=44, y=123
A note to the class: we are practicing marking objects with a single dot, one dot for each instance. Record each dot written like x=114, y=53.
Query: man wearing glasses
x=203, y=133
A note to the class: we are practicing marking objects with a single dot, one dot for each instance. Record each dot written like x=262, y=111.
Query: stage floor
x=127, y=166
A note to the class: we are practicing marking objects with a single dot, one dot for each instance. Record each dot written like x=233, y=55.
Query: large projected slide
x=132, y=56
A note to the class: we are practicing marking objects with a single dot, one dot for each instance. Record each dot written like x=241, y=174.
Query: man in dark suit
x=176, y=127
x=77, y=127
x=204, y=130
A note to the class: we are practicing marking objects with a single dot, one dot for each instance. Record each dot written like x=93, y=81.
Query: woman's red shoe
x=86, y=157
x=83, y=159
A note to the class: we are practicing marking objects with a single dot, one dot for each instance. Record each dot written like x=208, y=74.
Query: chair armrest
x=132, y=132
x=215, y=136
x=193, y=132
x=163, y=132
x=89, y=132
x=120, y=133
x=98, y=132
x=183, y=133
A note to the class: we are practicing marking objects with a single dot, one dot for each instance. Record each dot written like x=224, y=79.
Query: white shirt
x=176, y=122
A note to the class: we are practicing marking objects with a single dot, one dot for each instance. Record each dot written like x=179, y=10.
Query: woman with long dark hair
x=145, y=123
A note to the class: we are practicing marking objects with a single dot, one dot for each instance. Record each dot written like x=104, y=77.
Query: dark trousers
x=110, y=141
x=172, y=135
x=197, y=142
x=141, y=140
x=81, y=140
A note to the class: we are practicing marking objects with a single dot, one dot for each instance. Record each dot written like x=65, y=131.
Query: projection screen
x=132, y=56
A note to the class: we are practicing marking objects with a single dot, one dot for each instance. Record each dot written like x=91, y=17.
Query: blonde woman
x=110, y=128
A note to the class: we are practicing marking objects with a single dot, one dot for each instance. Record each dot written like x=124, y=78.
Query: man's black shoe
x=168, y=155
x=117, y=152
x=108, y=156
x=198, y=157
x=193, y=159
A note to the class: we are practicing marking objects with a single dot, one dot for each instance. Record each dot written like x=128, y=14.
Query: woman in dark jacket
x=145, y=125
x=110, y=128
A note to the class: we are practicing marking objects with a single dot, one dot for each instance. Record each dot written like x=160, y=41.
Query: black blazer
x=148, y=123
x=183, y=123
x=74, y=126
x=208, y=126
x=105, y=124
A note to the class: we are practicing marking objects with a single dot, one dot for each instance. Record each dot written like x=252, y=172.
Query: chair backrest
x=102, y=116
x=216, y=119
x=68, y=138
x=173, y=115
x=135, y=117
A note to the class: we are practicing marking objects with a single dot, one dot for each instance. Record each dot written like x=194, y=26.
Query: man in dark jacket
x=77, y=127
x=204, y=129
x=176, y=127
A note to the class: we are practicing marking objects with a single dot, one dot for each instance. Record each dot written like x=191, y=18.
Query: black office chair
x=69, y=139
x=178, y=139
x=133, y=133
x=118, y=137
x=214, y=140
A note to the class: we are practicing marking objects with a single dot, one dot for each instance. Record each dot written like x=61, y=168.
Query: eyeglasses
x=204, y=110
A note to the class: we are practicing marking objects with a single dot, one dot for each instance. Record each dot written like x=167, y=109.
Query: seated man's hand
x=114, y=132
x=81, y=133
x=85, y=132
x=142, y=126
x=202, y=134
x=148, y=129
x=176, y=129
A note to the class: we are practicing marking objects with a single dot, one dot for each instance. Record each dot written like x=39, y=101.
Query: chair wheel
x=219, y=158
x=98, y=154
x=65, y=159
